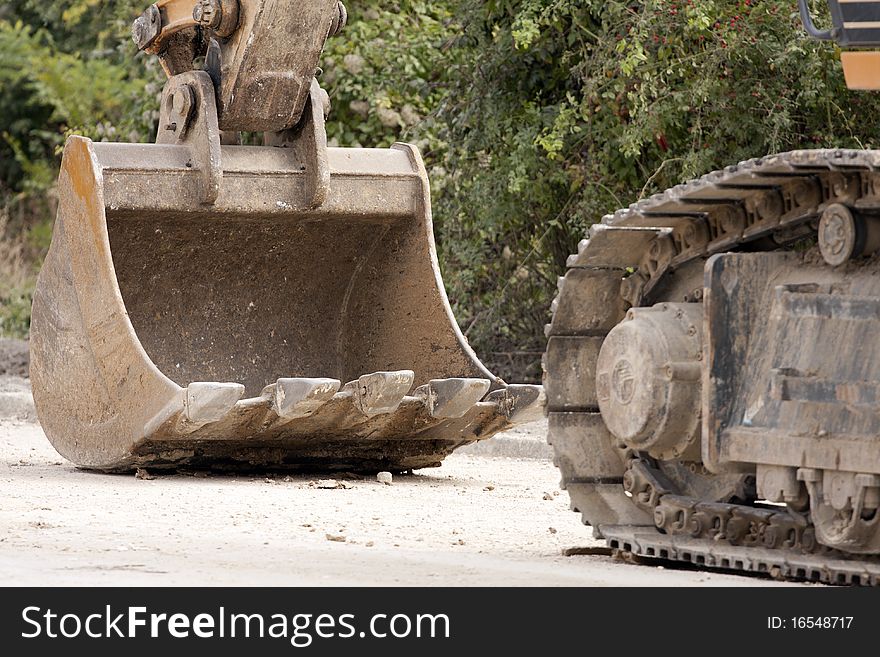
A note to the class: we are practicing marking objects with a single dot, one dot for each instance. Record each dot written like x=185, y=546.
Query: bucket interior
x=250, y=299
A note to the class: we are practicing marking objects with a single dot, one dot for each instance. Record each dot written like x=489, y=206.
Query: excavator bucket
x=261, y=315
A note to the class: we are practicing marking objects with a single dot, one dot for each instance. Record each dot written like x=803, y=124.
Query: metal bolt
x=208, y=13
x=180, y=106
x=695, y=526
x=183, y=100
x=221, y=16
x=659, y=518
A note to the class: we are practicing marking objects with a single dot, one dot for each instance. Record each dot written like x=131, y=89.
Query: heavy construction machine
x=713, y=365
x=211, y=304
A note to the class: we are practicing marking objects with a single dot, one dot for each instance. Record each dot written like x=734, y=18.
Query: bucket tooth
x=380, y=392
x=519, y=403
x=300, y=397
x=206, y=402
x=451, y=398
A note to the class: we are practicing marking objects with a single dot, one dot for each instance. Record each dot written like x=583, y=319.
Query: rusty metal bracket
x=147, y=28
x=188, y=117
x=153, y=29
x=169, y=30
x=309, y=141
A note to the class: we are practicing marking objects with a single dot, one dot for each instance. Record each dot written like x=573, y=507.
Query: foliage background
x=535, y=117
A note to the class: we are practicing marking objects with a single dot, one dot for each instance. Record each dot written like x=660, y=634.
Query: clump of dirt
x=14, y=357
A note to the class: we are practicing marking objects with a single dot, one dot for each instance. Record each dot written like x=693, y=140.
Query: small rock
x=369, y=544
x=335, y=538
x=384, y=478
x=142, y=473
x=548, y=496
x=332, y=483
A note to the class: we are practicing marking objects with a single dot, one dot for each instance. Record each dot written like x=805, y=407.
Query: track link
x=776, y=563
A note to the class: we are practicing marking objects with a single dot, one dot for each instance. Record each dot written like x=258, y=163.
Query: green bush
x=386, y=72
x=570, y=109
x=65, y=67
x=15, y=311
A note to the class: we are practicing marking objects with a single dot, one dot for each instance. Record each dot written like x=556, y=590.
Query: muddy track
x=653, y=252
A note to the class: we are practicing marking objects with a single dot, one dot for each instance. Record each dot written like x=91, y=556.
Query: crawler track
x=652, y=252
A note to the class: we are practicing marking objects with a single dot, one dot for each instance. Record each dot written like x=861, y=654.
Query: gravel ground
x=15, y=399
x=14, y=358
x=477, y=520
x=492, y=515
x=15, y=391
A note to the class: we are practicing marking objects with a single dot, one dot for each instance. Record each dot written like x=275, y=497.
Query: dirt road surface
x=493, y=514
x=13, y=358
x=477, y=520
